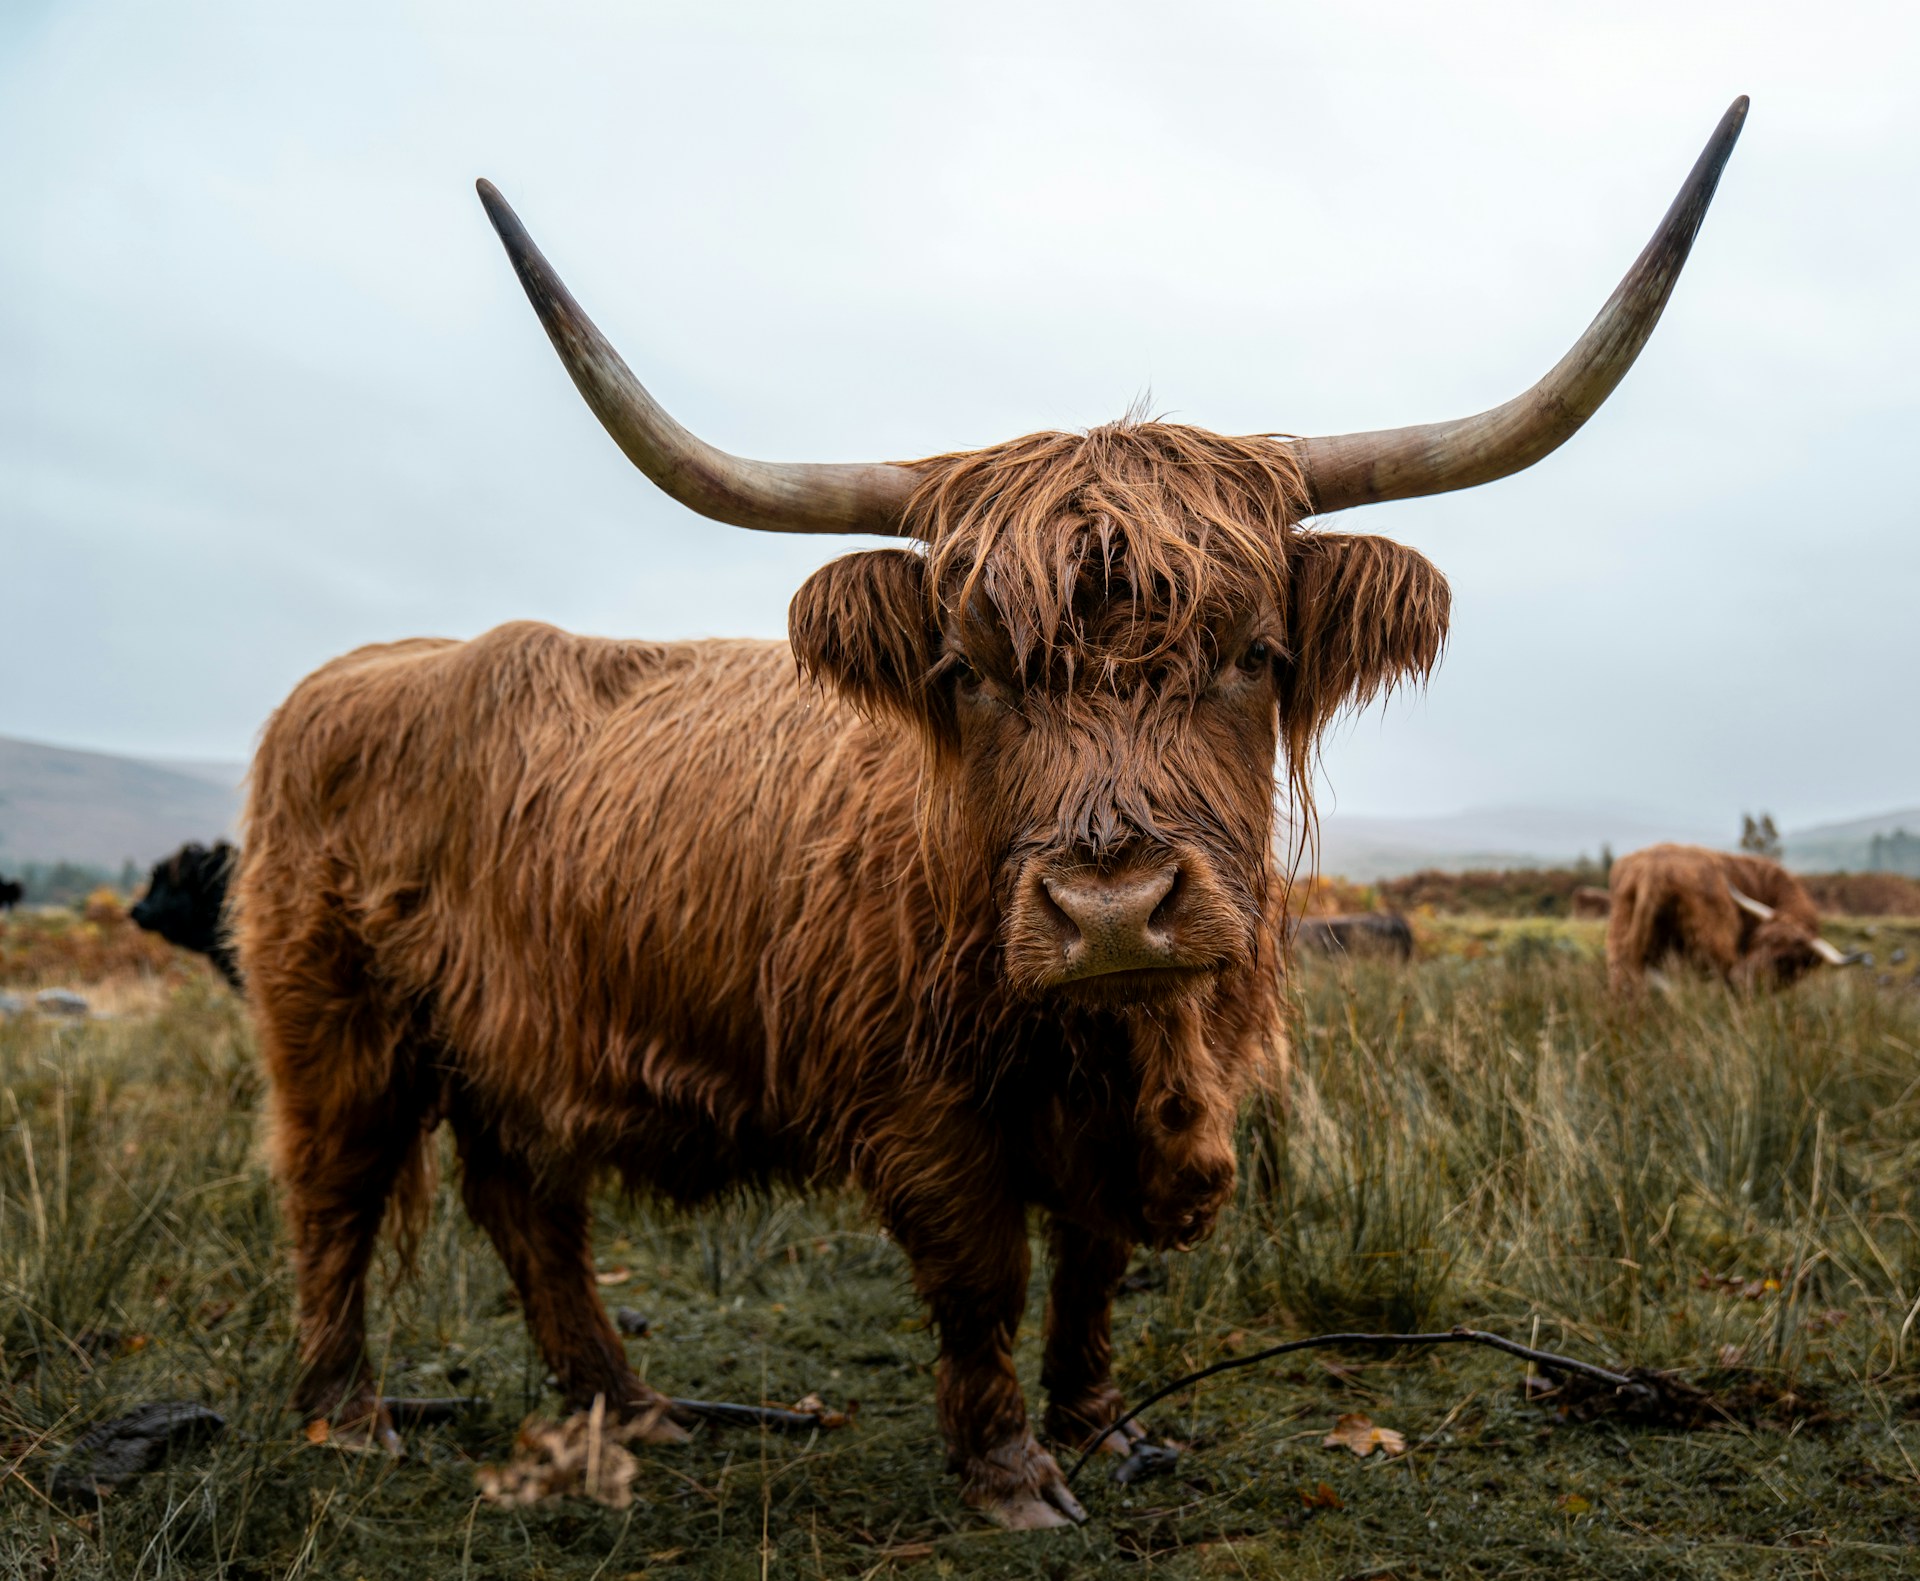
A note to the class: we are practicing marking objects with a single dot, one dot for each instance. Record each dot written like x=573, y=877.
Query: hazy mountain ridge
x=60, y=804
x=1842, y=847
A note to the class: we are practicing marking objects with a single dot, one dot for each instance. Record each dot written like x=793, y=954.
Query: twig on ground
x=727, y=1414
x=1637, y=1382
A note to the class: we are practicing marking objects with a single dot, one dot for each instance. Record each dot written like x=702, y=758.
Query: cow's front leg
x=970, y=1265
x=1078, y=1366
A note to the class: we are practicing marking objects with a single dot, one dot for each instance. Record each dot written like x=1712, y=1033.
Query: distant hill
x=1365, y=849
x=1848, y=847
x=60, y=805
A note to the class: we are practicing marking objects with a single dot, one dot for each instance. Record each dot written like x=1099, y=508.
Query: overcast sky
x=271, y=391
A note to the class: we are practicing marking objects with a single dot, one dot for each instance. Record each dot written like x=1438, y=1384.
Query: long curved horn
x=1344, y=470
x=773, y=496
x=1831, y=954
x=1747, y=903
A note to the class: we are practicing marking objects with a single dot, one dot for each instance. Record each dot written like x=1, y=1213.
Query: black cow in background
x=186, y=901
x=12, y=892
x=1376, y=933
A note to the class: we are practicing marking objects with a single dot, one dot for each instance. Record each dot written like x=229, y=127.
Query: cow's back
x=566, y=859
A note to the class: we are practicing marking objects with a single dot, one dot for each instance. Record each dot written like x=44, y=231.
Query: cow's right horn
x=1748, y=904
x=1344, y=470
x=775, y=496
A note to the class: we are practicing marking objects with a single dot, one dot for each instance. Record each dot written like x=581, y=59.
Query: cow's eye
x=1256, y=656
x=965, y=676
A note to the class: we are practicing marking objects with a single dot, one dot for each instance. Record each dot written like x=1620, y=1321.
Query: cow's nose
x=1108, y=919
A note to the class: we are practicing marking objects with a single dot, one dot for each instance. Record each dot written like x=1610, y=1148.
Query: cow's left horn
x=1747, y=903
x=1344, y=470
x=774, y=496
x=1832, y=956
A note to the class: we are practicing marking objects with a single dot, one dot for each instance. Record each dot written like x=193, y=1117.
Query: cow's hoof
x=1020, y=1486
x=1071, y=1427
x=1037, y=1512
x=1122, y=1440
x=1072, y=1433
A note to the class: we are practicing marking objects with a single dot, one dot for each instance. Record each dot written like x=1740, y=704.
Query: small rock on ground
x=114, y=1453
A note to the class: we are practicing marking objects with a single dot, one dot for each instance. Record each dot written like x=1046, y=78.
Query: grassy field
x=1726, y=1187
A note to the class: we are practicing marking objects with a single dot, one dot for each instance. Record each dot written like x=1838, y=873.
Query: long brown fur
x=718, y=913
x=1673, y=901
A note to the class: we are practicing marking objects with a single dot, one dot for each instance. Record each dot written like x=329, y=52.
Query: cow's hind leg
x=338, y=1169
x=350, y=1102
x=540, y=1227
x=1077, y=1365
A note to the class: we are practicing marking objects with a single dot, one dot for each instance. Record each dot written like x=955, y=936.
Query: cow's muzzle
x=1118, y=934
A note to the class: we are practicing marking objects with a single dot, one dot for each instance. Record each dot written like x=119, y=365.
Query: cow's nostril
x=1057, y=914
x=1162, y=916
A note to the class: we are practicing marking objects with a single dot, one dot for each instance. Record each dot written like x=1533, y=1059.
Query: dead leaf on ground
x=319, y=1430
x=824, y=1415
x=1356, y=1432
x=1574, y=1503
x=1321, y=1497
x=613, y=1276
x=586, y=1455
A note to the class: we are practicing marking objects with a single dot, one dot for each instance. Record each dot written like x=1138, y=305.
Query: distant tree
x=1759, y=836
x=1898, y=852
x=62, y=883
x=1606, y=860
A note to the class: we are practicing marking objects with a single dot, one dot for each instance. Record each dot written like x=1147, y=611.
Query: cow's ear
x=1363, y=615
x=863, y=625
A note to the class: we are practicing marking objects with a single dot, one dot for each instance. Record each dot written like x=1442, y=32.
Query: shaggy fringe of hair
x=1184, y=521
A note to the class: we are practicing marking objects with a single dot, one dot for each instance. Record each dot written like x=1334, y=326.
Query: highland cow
x=1743, y=917
x=966, y=894
x=1590, y=903
x=1370, y=933
x=12, y=892
x=186, y=903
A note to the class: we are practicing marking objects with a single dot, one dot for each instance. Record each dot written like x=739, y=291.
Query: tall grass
x=1494, y=1139
x=1705, y=1181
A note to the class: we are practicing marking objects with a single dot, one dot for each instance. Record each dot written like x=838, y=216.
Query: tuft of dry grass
x=1719, y=1185
x=55, y=948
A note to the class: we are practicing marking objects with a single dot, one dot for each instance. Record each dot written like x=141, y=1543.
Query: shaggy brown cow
x=967, y=895
x=1590, y=902
x=1745, y=917
x=1371, y=933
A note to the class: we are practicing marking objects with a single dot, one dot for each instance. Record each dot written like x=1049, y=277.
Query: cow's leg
x=1077, y=1365
x=336, y=1178
x=349, y=1102
x=540, y=1227
x=967, y=1241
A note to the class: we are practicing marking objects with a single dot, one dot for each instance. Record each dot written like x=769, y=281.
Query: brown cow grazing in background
x=1358, y=933
x=967, y=895
x=1590, y=902
x=1745, y=917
